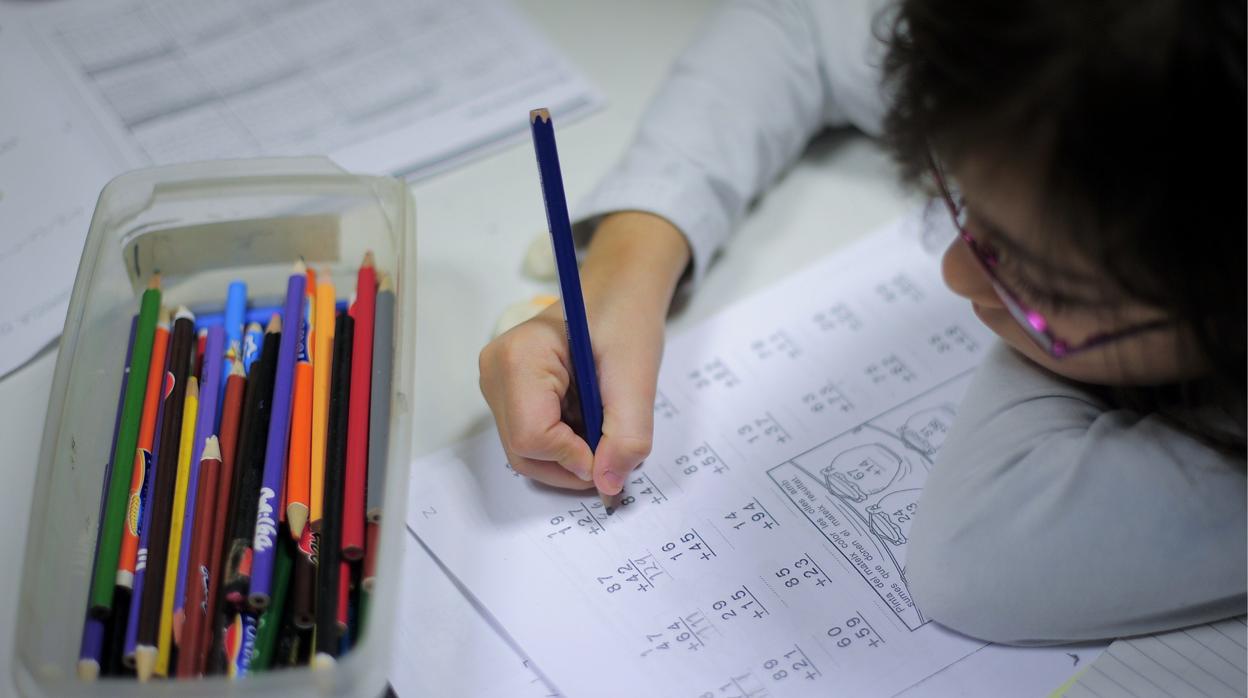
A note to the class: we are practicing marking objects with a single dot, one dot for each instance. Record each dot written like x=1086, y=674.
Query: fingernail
x=613, y=481
x=583, y=472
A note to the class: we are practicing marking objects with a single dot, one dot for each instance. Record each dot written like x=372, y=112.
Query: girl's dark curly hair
x=1130, y=118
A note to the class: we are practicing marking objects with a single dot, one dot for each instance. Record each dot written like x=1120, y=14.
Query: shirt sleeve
x=761, y=78
x=1050, y=517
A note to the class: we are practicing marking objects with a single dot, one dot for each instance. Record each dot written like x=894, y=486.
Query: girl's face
x=1076, y=299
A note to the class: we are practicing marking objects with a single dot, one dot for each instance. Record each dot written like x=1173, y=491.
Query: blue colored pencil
x=259, y=314
x=235, y=308
x=205, y=426
x=264, y=554
x=584, y=374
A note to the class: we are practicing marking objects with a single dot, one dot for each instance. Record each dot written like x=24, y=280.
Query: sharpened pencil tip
x=154, y=282
x=369, y=260
x=163, y=318
x=323, y=662
x=254, y=327
x=300, y=266
x=543, y=114
x=88, y=670
x=192, y=386
x=212, y=449
x=184, y=312
x=144, y=662
x=297, y=518
x=611, y=502
x=275, y=324
x=236, y=368
x=384, y=284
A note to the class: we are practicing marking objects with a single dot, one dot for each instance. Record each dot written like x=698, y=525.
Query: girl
x=1091, y=154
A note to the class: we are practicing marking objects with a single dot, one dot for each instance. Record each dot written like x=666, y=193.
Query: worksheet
x=761, y=548
x=93, y=88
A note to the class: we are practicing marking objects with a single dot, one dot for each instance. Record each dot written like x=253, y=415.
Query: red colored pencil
x=231, y=415
x=191, y=651
x=357, y=430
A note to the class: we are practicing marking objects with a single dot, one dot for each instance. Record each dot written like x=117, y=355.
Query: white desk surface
x=473, y=225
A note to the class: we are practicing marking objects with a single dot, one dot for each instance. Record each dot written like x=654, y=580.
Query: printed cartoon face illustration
x=890, y=517
x=925, y=431
x=861, y=472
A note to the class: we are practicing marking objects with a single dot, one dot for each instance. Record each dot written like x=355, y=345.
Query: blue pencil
x=584, y=375
x=235, y=307
x=269, y=502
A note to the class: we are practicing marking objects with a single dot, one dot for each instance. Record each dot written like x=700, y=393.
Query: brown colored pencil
x=190, y=653
x=231, y=414
x=165, y=472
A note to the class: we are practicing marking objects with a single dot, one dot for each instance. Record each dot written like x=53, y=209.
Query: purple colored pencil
x=92, y=648
x=145, y=525
x=205, y=426
x=263, y=545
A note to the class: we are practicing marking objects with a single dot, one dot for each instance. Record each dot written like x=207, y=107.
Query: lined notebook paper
x=1205, y=660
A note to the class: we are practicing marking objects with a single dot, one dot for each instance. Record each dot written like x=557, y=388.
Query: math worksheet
x=761, y=549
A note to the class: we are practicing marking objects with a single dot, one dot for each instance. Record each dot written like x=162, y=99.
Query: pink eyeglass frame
x=1033, y=322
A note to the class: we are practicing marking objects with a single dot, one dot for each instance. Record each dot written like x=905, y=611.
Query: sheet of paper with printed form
x=761, y=548
x=381, y=86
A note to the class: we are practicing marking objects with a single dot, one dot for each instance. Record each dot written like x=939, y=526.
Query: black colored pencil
x=237, y=572
x=329, y=551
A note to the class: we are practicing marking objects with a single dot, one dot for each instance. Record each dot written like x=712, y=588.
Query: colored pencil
x=190, y=651
x=145, y=526
x=231, y=413
x=263, y=555
x=243, y=644
x=164, y=639
x=270, y=621
x=357, y=431
x=142, y=456
x=298, y=468
x=369, y=574
x=379, y=406
x=344, y=597
x=92, y=646
x=108, y=549
x=165, y=477
x=235, y=310
x=201, y=342
x=329, y=552
x=250, y=461
x=580, y=349
x=205, y=426
x=303, y=581
x=322, y=346
x=207, y=317
x=252, y=339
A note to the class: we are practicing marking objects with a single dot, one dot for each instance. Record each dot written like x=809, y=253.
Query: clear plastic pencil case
x=203, y=225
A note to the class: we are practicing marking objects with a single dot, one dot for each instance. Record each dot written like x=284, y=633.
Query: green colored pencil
x=108, y=549
x=271, y=619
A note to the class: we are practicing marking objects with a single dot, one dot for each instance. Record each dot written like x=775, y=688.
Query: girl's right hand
x=628, y=277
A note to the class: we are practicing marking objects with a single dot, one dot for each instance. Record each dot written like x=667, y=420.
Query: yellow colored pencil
x=164, y=641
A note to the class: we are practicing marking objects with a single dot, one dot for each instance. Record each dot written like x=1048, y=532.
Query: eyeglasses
x=1032, y=321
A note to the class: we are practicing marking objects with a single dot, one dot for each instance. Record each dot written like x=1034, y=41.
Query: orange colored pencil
x=322, y=354
x=299, y=462
x=143, y=454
